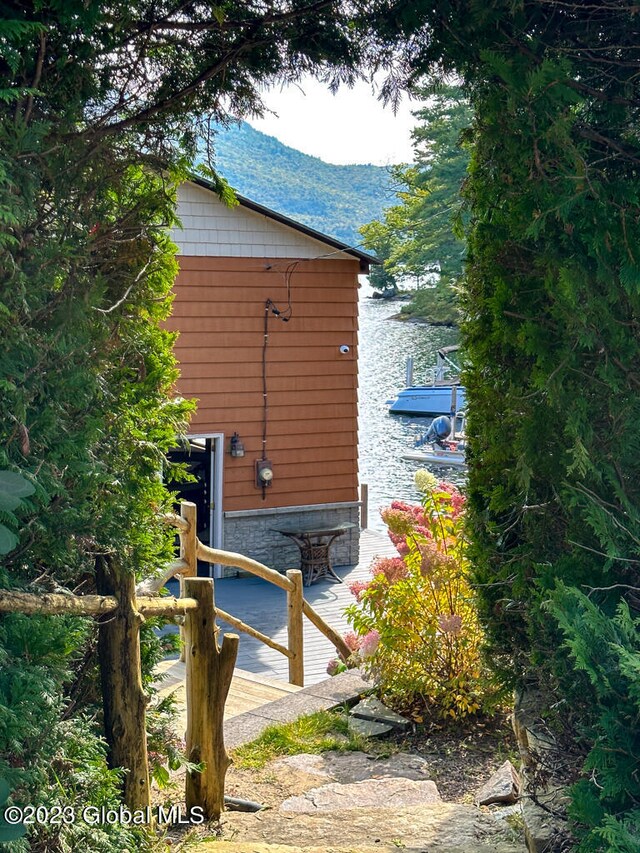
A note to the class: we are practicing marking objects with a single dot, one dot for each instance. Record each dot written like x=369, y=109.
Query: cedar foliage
x=86, y=273
x=552, y=302
x=607, y=651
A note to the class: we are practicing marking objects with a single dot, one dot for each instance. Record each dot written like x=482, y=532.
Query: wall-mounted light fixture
x=236, y=447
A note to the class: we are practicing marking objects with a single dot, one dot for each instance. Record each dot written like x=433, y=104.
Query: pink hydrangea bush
x=416, y=627
x=369, y=644
x=362, y=649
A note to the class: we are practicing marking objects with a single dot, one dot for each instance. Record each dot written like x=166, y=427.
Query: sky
x=349, y=127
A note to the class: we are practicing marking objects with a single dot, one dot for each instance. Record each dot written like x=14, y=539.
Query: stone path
x=352, y=803
x=367, y=793
x=436, y=828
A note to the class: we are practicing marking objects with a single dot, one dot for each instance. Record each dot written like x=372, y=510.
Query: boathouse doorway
x=204, y=458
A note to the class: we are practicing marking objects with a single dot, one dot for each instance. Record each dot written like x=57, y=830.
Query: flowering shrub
x=416, y=627
x=361, y=648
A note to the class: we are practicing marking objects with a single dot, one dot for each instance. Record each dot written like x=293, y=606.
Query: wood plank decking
x=263, y=606
x=248, y=690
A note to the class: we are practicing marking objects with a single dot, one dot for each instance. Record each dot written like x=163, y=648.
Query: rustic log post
x=209, y=673
x=295, y=598
x=123, y=698
x=188, y=553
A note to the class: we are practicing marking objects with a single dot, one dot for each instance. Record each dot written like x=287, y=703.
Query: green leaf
x=8, y=540
x=15, y=485
x=161, y=776
x=11, y=832
x=8, y=502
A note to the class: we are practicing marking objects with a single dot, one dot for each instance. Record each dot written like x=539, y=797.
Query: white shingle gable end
x=211, y=229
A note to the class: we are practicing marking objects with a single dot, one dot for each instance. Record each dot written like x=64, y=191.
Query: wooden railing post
x=364, y=506
x=123, y=697
x=295, y=628
x=209, y=673
x=188, y=553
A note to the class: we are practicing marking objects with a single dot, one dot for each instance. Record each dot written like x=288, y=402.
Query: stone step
x=259, y=847
x=369, y=728
x=371, y=708
x=368, y=793
x=354, y=766
x=437, y=827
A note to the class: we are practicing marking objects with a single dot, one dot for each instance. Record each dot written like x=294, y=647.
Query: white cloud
x=352, y=126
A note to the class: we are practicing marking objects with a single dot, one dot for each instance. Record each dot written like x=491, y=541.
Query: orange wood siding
x=312, y=388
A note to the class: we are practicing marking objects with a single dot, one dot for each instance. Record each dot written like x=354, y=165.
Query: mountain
x=335, y=200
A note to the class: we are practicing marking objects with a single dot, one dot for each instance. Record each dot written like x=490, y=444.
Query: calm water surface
x=385, y=345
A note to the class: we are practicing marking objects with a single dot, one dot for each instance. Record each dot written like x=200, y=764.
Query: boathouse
x=267, y=311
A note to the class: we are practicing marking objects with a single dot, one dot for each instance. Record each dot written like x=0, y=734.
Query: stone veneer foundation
x=253, y=533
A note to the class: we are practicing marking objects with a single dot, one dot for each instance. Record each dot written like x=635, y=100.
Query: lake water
x=385, y=345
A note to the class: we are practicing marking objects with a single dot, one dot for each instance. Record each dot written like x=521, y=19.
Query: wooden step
x=248, y=691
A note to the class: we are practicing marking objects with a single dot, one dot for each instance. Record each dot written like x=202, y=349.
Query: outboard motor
x=439, y=430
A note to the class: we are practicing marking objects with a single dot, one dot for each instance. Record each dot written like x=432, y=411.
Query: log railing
x=120, y=608
x=192, y=550
x=120, y=612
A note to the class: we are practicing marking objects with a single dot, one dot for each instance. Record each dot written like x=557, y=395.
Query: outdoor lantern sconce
x=236, y=447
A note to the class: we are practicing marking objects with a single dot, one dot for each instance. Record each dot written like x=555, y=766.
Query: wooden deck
x=248, y=690
x=263, y=606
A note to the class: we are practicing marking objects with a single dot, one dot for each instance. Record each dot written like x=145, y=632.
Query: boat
x=442, y=444
x=442, y=396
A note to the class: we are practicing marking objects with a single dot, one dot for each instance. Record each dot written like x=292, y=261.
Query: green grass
x=315, y=733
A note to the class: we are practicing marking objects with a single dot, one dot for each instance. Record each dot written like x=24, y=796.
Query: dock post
x=364, y=506
x=409, y=372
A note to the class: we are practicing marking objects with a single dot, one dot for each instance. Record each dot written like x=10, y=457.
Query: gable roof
x=364, y=257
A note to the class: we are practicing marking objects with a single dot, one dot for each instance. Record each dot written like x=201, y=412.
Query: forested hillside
x=336, y=200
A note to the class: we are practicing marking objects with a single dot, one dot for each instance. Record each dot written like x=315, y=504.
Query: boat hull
x=436, y=456
x=427, y=400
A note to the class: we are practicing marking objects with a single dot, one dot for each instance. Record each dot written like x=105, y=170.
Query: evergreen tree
x=552, y=306
x=420, y=238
